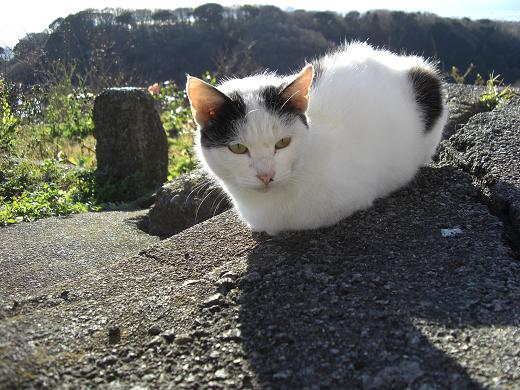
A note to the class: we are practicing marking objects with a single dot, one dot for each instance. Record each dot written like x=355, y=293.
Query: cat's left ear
x=205, y=100
x=296, y=94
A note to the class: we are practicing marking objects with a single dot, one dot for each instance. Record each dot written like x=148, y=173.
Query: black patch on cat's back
x=221, y=130
x=273, y=101
x=428, y=95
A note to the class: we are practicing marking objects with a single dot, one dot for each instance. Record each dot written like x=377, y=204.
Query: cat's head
x=252, y=132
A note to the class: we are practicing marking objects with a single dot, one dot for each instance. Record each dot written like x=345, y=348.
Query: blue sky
x=20, y=17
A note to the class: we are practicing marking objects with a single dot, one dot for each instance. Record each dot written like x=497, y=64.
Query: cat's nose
x=265, y=178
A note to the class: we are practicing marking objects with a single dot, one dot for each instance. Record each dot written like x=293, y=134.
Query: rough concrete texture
x=421, y=291
x=36, y=255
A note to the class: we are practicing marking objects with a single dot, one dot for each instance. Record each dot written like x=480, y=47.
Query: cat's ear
x=205, y=100
x=297, y=93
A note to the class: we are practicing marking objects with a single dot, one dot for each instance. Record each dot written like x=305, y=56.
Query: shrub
x=30, y=191
x=8, y=123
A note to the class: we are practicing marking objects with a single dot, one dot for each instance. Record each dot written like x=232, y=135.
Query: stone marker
x=131, y=143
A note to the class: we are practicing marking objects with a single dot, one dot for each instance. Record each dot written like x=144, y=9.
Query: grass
x=47, y=151
x=31, y=190
x=496, y=92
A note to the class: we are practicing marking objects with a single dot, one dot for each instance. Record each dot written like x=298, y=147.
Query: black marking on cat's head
x=428, y=94
x=272, y=99
x=220, y=130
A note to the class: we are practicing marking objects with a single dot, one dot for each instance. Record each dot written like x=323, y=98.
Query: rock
x=114, y=335
x=463, y=103
x=232, y=334
x=183, y=339
x=154, y=330
x=107, y=361
x=156, y=340
x=168, y=335
x=185, y=201
x=131, y=144
x=213, y=300
x=221, y=373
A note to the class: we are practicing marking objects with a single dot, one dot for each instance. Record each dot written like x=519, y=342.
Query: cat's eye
x=237, y=148
x=283, y=143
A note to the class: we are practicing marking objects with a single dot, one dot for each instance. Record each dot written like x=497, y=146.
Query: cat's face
x=252, y=137
x=265, y=153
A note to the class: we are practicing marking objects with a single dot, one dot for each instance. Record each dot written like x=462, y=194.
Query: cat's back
x=362, y=82
x=353, y=63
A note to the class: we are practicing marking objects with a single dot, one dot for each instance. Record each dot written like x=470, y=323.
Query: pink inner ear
x=204, y=98
x=297, y=93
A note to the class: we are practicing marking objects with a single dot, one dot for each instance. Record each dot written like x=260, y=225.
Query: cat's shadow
x=377, y=300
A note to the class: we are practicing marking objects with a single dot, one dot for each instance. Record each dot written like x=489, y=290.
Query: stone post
x=132, y=148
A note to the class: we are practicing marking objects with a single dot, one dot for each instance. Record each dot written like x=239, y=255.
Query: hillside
x=141, y=46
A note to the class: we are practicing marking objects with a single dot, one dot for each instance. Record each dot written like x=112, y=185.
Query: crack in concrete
x=451, y=153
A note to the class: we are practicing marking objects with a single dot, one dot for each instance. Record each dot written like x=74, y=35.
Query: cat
x=307, y=150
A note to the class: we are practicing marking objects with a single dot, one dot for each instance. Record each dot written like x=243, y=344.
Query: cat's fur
x=361, y=130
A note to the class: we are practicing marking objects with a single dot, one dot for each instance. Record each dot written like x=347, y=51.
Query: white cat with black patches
x=305, y=151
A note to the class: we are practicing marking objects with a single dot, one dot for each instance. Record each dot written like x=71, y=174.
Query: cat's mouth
x=264, y=189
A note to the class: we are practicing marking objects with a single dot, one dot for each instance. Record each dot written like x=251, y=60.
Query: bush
x=30, y=191
x=8, y=123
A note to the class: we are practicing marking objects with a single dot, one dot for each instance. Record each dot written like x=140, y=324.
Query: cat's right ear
x=205, y=100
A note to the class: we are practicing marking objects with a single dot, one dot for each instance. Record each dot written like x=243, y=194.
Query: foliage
x=68, y=111
x=181, y=155
x=495, y=92
x=8, y=122
x=178, y=123
x=29, y=191
x=54, y=125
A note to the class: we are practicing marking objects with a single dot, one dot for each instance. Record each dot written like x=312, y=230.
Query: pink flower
x=154, y=89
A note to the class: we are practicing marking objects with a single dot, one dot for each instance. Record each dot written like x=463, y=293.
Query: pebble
x=226, y=283
x=154, y=330
x=221, y=373
x=232, y=334
x=183, y=339
x=215, y=299
x=157, y=340
x=114, y=335
x=168, y=335
x=148, y=377
x=107, y=361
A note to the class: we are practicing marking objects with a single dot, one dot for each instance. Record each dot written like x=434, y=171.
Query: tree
x=126, y=18
x=210, y=14
x=162, y=16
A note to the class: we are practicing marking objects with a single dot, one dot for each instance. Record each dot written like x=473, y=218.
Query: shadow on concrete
x=377, y=300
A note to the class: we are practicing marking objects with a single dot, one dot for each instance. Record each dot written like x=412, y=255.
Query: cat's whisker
x=197, y=189
x=202, y=201
x=224, y=197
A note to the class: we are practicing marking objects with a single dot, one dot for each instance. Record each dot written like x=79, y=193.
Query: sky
x=19, y=17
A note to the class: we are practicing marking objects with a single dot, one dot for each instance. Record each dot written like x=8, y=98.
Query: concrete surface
x=421, y=291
